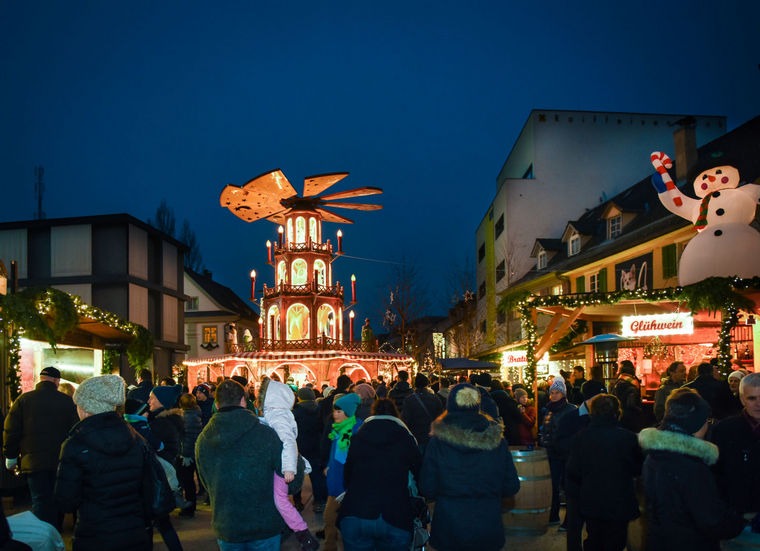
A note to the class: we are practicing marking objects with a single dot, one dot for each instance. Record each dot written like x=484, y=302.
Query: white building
x=562, y=162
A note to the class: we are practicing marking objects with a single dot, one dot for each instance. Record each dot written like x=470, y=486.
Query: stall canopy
x=466, y=363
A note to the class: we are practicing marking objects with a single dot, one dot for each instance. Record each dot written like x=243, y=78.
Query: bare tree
x=164, y=220
x=193, y=258
x=407, y=301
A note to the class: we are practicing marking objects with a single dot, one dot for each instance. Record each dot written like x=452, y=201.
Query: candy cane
x=661, y=163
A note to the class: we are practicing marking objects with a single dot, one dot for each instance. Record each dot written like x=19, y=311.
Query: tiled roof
x=740, y=147
x=223, y=296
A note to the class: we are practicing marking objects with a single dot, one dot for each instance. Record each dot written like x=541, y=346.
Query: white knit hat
x=101, y=394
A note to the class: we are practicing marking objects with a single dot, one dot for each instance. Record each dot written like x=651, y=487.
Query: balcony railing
x=318, y=343
x=303, y=247
x=303, y=290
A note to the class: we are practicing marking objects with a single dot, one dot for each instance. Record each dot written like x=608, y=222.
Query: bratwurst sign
x=661, y=324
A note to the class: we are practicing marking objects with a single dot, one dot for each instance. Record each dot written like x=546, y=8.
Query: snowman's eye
x=719, y=171
x=704, y=176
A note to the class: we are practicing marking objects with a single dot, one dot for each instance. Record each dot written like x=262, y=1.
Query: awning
x=466, y=363
x=300, y=355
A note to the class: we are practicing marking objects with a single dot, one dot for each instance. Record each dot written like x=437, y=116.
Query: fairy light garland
x=713, y=294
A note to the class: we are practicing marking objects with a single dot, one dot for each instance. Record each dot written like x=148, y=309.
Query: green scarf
x=342, y=432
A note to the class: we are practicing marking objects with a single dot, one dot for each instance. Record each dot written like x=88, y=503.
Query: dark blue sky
x=129, y=103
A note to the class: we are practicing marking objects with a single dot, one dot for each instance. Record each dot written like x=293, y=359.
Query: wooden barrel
x=530, y=513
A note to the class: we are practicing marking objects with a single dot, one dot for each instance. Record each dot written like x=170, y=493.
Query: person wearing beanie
x=734, y=380
x=186, y=469
x=714, y=390
x=168, y=425
x=467, y=470
x=367, y=394
x=678, y=483
x=205, y=400
x=310, y=429
x=737, y=470
x=345, y=424
x=36, y=425
x=326, y=404
x=420, y=409
x=101, y=471
x=555, y=409
x=627, y=388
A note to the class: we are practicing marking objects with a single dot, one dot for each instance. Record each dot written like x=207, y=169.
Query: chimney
x=685, y=140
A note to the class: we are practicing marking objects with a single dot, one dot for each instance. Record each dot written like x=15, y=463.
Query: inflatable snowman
x=725, y=245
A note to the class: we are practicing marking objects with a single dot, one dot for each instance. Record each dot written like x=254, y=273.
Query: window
x=669, y=261
x=528, y=174
x=501, y=270
x=593, y=283
x=192, y=304
x=209, y=334
x=574, y=245
x=501, y=317
x=482, y=252
x=542, y=260
x=580, y=284
x=499, y=228
x=482, y=290
x=614, y=226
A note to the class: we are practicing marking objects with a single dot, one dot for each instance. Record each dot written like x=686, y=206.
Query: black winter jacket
x=418, y=414
x=716, y=393
x=510, y=414
x=310, y=429
x=738, y=464
x=382, y=445
x=683, y=507
x=100, y=475
x=398, y=394
x=193, y=424
x=467, y=470
x=604, y=461
x=36, y=425
x=169, y=426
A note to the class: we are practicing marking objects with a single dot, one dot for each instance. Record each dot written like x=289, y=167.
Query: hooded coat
x=467, y=470
x=384, y=445
x=683, y=507
x=278, y=405
x=236, y=456
x=100, y=477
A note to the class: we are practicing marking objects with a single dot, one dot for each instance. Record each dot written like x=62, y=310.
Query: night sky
x=128, y=103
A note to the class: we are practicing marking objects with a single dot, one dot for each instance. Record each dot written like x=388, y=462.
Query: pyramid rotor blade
x=248, y=206
x=271, y=183
x=279, y=217
x=358, y=192
x=354, y=206
x=314, y=185
x=329, y=216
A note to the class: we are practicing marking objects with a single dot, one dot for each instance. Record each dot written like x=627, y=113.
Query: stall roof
x=466, y=363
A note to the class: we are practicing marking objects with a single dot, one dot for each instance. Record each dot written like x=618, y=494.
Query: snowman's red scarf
x=702, y=218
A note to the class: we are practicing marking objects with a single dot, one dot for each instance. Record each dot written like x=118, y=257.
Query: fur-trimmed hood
x=468, y=430
x=653, y=439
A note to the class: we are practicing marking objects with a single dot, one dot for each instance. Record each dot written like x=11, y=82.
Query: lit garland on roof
x=48, y=314
x=713, y=294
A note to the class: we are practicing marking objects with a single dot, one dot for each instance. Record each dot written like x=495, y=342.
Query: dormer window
x=542, y=260
x=574, y=244
x=614, y=226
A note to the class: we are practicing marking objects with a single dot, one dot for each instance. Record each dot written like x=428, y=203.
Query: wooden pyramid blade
x=358, y=192
x=354, y=206
x=279, y=217
x=271, y=183
x=329, y=216
x=314, y=185
x=249, y=206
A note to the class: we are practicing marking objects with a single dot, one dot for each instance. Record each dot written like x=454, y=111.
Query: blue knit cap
x=167, y=395
x=348, y=403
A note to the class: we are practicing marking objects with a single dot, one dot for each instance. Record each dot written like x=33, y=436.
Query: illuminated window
x=298, y=322
x=209, y=334
x=614, y=226
x=313, y=230
x=290, y=230
x=298, y=275
x=300, y=229
x=320, y=270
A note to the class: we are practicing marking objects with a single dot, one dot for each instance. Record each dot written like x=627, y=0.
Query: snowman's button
x=720, y=212
x=718, y=233
x=716, y=193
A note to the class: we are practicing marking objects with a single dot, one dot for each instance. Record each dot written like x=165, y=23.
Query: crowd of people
x=374, y=450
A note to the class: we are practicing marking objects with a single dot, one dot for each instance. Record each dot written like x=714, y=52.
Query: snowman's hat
x=715, y=160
